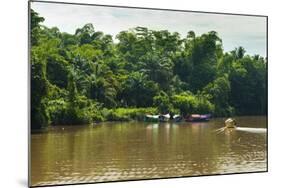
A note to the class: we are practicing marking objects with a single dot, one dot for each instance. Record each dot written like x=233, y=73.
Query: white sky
x=246, y=31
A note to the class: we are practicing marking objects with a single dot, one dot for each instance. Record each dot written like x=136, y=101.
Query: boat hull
x=198, y=118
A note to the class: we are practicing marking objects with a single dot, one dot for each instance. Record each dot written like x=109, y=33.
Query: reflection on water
x=123, y=151
x=252, y=130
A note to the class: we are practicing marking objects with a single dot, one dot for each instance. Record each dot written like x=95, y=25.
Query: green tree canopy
x=92, y=76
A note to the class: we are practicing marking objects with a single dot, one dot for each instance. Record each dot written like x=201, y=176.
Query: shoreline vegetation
x=88, y=77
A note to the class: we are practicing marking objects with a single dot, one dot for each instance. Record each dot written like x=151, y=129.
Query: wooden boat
x=164, y=117
x=151, y=118
x=177, y=118
x=198, y=117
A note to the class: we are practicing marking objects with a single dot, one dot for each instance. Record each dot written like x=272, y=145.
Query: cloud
x=246, y=31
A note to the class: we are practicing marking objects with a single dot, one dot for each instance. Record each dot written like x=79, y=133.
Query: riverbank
x=103, y=115
x=117, y=115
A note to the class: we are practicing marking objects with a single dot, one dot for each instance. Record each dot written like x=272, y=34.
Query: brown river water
x=138, y=150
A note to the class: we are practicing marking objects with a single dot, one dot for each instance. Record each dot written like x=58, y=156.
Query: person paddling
x=230, y=123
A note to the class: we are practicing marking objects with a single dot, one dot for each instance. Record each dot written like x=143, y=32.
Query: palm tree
x=101, y=88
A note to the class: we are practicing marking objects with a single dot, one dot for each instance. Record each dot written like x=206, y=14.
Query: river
x=137, y=150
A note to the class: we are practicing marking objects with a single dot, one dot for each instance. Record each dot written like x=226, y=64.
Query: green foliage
x=203, y=105
x=138, y=90
x=85, y=34
x=249, y=78
x=126, y=114
x=238, y=53
x=35, y=21
x=162, y=102
x=183, y=102
x=64, y=113
x=159, y=69
x=189, y=103
x=219, y=90
x=203, y=52
x=39, y=93
x=57, y=70
x=87, y=77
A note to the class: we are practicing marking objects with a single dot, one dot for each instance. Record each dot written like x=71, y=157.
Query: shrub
x=189, y=103
x=162, y=102
x=127, y=114
x=82, y=111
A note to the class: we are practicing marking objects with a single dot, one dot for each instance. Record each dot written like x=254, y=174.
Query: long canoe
x=198, y=117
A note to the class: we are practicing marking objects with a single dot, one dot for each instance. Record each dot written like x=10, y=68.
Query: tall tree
x=35, y=21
